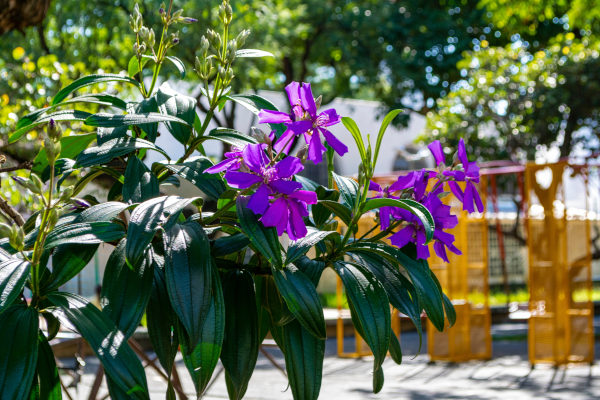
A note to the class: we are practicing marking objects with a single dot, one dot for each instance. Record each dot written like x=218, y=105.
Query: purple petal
x=293, y=93
x=284, y=187
x=285, y=142
x=288, y=167
x=374, y=186
x=276, y=215
x=305, y=196
x=403, y=182
x=315, y=148
x=384, y=217
x=458, y=176
x=422, y=248
x=296, y=221
x=472, y=171
x=273, y=117
x=308, y=101
x=255, y=157
x=329, y=117
x=462, y=153
x=403, y=236
x=299, y=127
x=468, y=199
x=476, y=197
x=438, y=153
x=456, y=190
x=334, y=142
x=241, y=180
x=229, y=163
x=259, y=201
x=440, y=250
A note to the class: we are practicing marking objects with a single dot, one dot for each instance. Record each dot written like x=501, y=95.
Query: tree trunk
x=20, y=14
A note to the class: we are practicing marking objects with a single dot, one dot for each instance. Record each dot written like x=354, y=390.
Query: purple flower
x=232, y=161
x=470, y=197
x=304, y=120
x=385, y=212
x=287, y=213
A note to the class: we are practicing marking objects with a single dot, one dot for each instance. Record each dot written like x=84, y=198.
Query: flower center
x=321, y=120
x=269, y=174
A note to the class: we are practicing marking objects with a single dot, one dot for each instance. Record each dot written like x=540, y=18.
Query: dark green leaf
x=125, y=292
x=348, y=188
x=90, y=80
x=147, y=218
x=13, y=275
x=103, y=135
x=229, y=244
x=340, y=210
x=255, y=103
x=63, y=115
x=311, y=268
x=240, y=344
x=49, y=380
x=19, y=351
x=84, y=233
x=192, y=171
x=102, y=212
x=160, y=317
x=148, y=105
x=188, y=271
x=119, y=361
x=265, y=240
x=274, y=303
x=448, y=306
x=177, y=105
x=112, y=149
x=395, y=349
x=416, y=208
x=370, y=303
x=301, y=298
x=202, y=359
x=230, y=136
x=117, y=120
x=299, y=247
x=303, y=361
x=67, y=261
x=245, y=53
x=140, y=183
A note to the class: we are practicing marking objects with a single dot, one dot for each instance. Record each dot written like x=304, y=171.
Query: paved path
x=507, y=376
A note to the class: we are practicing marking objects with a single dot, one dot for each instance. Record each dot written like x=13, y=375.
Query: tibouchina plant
x=214, y=274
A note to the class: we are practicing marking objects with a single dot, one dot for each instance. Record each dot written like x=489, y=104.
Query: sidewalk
x=507, y=376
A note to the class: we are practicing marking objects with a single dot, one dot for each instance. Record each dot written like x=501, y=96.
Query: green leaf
x=160, y=317
x=240, y=344
x=299, y=247
x=140, y=183
x=230, y=136
x=133, y=66
x=90, y=80
x=416, y=208
x=274, y=303
x=19, y=351
x=125, y=292
x=102, y=212
x=264, y=239
x=116, y=120
x=148, y=105
x=340, y=210
x=395, y=349
x=188, y=273
x=13, y=275
x=357, y=136
x=448, y=306
x=149, y=217
x=84, y=233
x=108, y=343
x=254, y=103
x=229, y=244
x=49, y=380
x=301, y=297
x=63, y=115
x=370, y=303
x=202, y=359
x=384, y=125
x=67, y=261
x=178, y=64
x=114, y=148
x=313, y=269
x=71, y=146
x=303, y=361
x=103, y=135
x=348, y=188
x=193, y=171
x=177, y=105
x=252, y=53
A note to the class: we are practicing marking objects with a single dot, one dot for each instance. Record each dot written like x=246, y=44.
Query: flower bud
x=221, y=72
x=16, y=238
x=227, y=12
x=65, y=195
x=241, y=38
x=214, y=38
x=228, y=76
x=204, y=45
x=28, y=184
x=52, y=150
x=54, y=131
x=37, y=182
x=177, y=15
x=174, y=38
x=52, y=218
x=260, y=136
x=302, y=154
x=231, y=49
x=318, y=101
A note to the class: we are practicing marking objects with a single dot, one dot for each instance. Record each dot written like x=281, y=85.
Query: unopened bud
x=225, y=13
x=187, y=20
x=204, y=44
x=16, y=238
x=52, y=218
x=214, y=38
x=27, y=184
x=302, y=153
x=260, y=136
x=222, y=72
x=361, y=172
x=228, y=76
x=54, y=131
x=231, y=49
x=65, y=195
x=37, y=182
x=52, y=150
x=241, y=38
x=318, y=101
x=174, y=38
